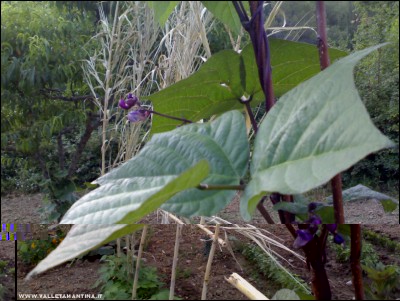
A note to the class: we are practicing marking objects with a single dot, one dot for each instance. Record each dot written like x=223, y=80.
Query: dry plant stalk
x=118, y=66
x=245, y=287
x=212, y=235
x=139, y=258
x=209, y=262
x=185, y=42
x=175, y=261
x=119, y=247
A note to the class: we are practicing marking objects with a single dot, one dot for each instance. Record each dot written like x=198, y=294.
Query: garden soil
x=80, y=276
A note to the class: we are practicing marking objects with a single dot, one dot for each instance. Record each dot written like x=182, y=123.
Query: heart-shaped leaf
x=170, y=163
x=162, y=10
x=224, y=143
x=226, y=13
x=80, y=240
x=228, y=76
x=315, y=131
x=133, y=191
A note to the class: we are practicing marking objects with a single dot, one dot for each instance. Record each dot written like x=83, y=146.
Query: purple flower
x=313, y=221
x=331, y=228
x=338, y=239
x=129, y=102
x=312, y=206
x=138, y=115
x=303, y=238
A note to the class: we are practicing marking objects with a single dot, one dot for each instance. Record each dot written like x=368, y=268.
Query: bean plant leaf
x=227, y=76
x=132, y=191
x=294, y=208
x=162, y=10
x=293, y=63
x=361, y=192
x=215, y=153
x=225, y=12
x=224, y=144
x=80, y=240
x=315, y=131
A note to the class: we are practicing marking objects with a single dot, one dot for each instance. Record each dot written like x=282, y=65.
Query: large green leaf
x=80, y=240
x=315, y=131
x=166, y=166
x=227, y=76
x=137, y=188
x=293, y=63
x=226, y=13
x=162, y=10
x=224, y=144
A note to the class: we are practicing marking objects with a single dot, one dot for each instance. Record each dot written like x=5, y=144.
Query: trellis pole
x=175, y=261
x=210, y=259
x=139, y=258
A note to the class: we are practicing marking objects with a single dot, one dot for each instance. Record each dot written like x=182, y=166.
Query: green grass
x=271, y=270
x=381, y=240
x=369, y=256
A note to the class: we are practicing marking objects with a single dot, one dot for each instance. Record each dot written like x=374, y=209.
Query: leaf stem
x=170, y=117
x=251, y=115
x=204, y=186
x=264, y=211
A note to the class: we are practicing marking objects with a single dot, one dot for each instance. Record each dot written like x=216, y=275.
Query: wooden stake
x=135, y=280
x=208, y=268
x=202, y=227
x=245, y=287
x=175, y=261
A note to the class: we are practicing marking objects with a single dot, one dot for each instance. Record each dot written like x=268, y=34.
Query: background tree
x=377, y=78
x=46, y=111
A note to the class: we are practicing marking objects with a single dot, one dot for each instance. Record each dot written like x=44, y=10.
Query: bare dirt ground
x=7, y=271
x=76, y=279
x=80, y=276
x=19, y=208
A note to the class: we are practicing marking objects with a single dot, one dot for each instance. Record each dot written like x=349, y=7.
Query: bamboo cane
x=212, y=235
x=139, y=257
x=209, y=233
x=208, y=268
x=175, y=261
x=118, y=247
x=245, y=287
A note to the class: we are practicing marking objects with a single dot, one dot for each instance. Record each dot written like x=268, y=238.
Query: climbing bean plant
x=318, y=128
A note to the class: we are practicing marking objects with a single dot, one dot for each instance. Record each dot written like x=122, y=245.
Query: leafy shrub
x=383, y=283
x=33, y=251
x=17, y=174
x=1, y=291
x=116, y=280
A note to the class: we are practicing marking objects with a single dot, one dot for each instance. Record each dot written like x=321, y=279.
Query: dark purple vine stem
x=259, y=39
x=336, y=182
x=355, y=256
